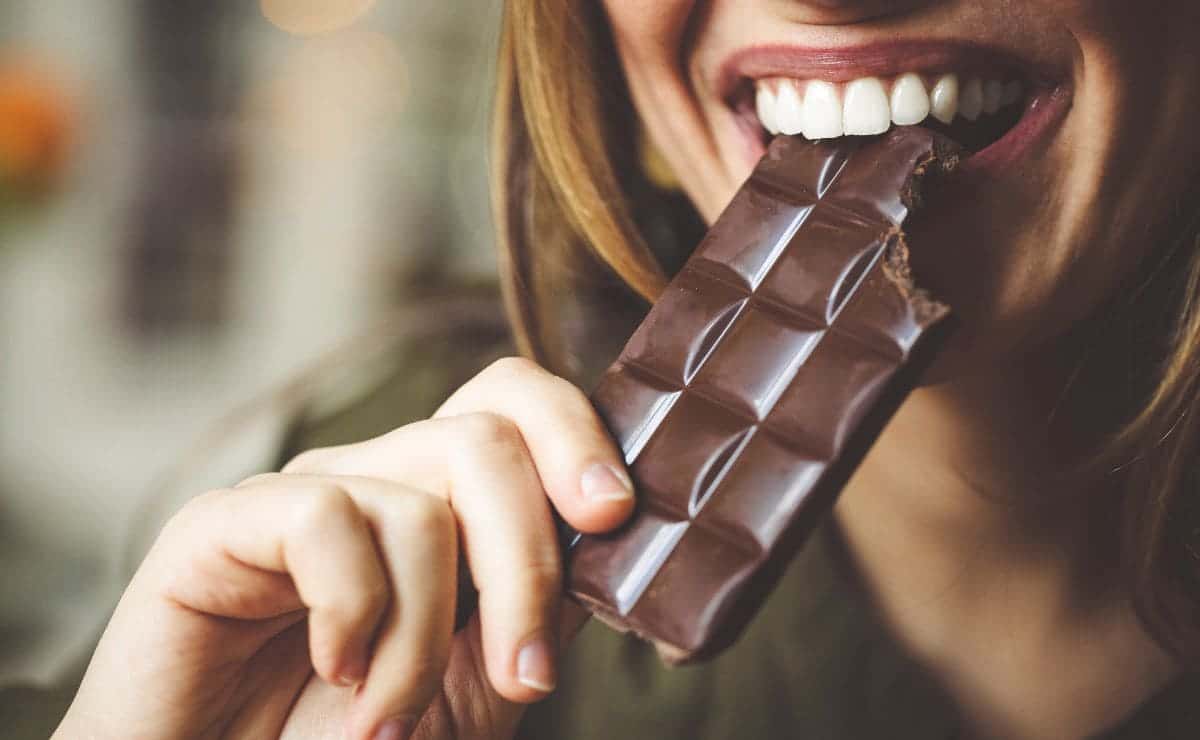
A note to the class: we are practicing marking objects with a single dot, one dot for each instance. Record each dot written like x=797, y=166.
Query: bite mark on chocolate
x=943, y=159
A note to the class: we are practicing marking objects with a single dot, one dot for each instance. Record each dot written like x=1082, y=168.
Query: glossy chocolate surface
x=755, y=385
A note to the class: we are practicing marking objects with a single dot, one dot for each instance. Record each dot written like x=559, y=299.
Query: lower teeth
x=982, y=133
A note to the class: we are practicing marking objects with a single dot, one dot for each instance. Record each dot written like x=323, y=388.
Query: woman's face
x=1086, y=139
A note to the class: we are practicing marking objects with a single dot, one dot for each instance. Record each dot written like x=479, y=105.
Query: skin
x=986, y=572
x=318, y=599
x=344, y=566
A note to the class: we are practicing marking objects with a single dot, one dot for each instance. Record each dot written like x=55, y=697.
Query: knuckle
x=309, y=461
x=511, y=368
x=572, y=402
x=539, y=386
x=358, y=605
x=192, y=510
x=197, y=514
x=487, y=430
x=430, y=516
x=261, y=479
x=197, y=506
x=325, y=504
x=571, y=393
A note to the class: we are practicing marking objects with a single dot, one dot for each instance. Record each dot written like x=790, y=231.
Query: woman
x=1024, y=533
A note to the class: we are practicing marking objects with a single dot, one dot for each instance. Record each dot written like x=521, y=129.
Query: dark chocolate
x=756, y=384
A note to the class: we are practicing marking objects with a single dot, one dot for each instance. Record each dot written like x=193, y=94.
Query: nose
x=849, y=11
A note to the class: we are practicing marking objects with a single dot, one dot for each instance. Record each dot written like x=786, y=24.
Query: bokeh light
x=329, y=91
x=310, y=17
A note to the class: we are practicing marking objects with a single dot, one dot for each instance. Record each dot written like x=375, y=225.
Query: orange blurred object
x=35, y=124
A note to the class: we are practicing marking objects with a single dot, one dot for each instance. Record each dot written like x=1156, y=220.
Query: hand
x=346, y=564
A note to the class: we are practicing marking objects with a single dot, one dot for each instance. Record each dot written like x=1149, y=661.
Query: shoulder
x=398, y=371
x=401, y=374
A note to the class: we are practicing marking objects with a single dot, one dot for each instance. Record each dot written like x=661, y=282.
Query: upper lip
x=876, y=60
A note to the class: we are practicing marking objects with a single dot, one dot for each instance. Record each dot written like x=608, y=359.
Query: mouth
x=997, y=106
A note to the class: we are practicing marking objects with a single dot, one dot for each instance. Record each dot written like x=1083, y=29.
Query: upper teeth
x=824, y=110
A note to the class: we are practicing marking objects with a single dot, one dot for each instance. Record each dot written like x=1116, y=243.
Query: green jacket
x=815, y=663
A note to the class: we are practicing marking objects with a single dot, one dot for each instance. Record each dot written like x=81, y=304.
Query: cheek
x=650, y=36
x=644, y=28
x=1047, y=249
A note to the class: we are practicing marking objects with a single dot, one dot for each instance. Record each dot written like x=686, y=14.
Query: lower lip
x=1043, y=116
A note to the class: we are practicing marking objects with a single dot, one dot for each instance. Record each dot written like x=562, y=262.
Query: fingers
x=495, y=451
x=373, y=561
x=480, y=464
x=418, y=540
x=346, y=595
x=260, y=544
x=579, y=466
x=512, y=550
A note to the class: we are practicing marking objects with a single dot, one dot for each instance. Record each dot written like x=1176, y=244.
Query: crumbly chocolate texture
x=756, y=384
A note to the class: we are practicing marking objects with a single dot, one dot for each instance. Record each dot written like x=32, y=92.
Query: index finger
x=579, y=464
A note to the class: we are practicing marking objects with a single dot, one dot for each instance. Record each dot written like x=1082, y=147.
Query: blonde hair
x=563, y=174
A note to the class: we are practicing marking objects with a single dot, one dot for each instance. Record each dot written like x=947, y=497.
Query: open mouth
x=988, y=104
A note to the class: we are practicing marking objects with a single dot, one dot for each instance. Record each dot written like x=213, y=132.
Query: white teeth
x=910, y=103
x=764, y=103
x=992, y=93
x=822, y=111
x=943, y=100
x=1012, y=93
x=970, y=102
x=866, y=106
x=866, y=110
x=789, y=114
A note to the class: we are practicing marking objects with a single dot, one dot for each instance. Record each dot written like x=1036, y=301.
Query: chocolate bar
x=757, y=382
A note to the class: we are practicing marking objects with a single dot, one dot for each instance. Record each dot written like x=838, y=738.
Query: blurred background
x=198, y=198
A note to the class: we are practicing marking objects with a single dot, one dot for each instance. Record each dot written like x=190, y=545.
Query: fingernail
x=397, y=728
x=353, y=673
x=601, y=482
x=535, y=666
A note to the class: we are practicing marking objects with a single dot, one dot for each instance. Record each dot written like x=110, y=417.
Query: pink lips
x=1050, y=96
x=878, y=59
